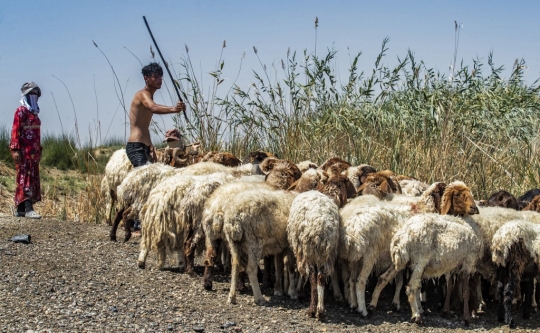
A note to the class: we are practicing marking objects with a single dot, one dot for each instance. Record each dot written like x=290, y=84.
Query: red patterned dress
x=25, y=137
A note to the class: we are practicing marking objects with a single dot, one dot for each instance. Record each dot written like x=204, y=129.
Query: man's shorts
x=138, y=153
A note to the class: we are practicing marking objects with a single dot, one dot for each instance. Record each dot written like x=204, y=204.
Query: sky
x=51, y=42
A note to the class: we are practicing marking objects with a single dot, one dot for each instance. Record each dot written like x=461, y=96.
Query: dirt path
x=72, y=279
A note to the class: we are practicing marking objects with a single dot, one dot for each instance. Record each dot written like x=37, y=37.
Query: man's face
x=154, y=81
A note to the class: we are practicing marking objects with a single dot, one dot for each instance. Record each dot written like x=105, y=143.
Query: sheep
x=515, y=250
x=255, y=223
x=213, y=220
x=133, y=192
x=256, y=157
x=116, y=170
x=411, y=187
x=358, y=174
x=365, y=233
x=306, y=165
x=313, y=234
x=223, y=158
x=164, y=226
x=338, y=162
x=432, y=245
x=310, y=180
x=526, y=198
x=501, y=199
x=283, y=175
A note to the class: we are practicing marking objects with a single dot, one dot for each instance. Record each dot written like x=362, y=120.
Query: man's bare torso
x=140, y=118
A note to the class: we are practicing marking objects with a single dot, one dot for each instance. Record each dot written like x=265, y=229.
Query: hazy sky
x=41, y=40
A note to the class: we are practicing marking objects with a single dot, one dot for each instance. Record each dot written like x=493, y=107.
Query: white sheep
x=116, y=170
x=164, y=225
x=367, y=227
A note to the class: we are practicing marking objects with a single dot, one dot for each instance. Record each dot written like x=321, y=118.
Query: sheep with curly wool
x=133, y=192
x=432, y=245
x=367, y=228
x=116, y=171
x=164, y=227
x=306, y=165
x=255, y=223
x=213, y=220
x=412, y=187
x=516, y=251
x=313, y=235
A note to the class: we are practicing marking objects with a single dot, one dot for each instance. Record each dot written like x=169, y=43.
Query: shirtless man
x=139, y=147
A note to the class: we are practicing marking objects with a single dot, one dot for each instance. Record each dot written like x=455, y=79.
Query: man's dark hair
x=152, y=69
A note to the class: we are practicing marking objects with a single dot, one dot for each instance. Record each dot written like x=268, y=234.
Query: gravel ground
x=72, y=279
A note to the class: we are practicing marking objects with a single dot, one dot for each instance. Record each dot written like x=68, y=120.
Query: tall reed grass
x=475, y=125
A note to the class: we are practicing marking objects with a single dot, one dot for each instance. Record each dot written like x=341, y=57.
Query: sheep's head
x=458, y=200
x=283, y=175
x=224, y=158
x=256, y=157
x=268, y=164
x=310, y=180
x=534, y=205
x=335, y=160
x=502, y=199
x=306, y=165
x=379, y=184
x=435, y=191
x=336, y=188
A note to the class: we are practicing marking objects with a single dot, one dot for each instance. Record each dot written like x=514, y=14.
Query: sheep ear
x=446, y=201
x=386, y=187
x=293, y=186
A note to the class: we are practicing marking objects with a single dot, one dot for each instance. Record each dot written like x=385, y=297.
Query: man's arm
x=147, y=101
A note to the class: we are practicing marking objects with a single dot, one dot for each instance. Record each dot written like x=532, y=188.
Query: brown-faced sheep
x=224, y=158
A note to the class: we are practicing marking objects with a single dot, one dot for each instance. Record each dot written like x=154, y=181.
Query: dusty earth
x=73, y=279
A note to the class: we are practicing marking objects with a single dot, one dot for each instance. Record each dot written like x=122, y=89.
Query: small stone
x=228, y=324
x=113, y=309
x=198, y=329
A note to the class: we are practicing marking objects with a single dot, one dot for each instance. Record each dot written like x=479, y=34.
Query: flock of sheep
x=334, y=223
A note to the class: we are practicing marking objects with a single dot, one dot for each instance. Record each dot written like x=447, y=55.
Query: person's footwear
x=32, y=215
x=17, y=213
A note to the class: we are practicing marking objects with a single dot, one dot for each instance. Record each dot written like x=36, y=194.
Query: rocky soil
x=71, y=278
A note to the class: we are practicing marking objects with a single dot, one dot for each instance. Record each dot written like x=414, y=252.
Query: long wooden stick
x=166, y=66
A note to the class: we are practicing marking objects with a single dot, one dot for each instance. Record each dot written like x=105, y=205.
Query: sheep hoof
x=321, y=316
x=482, y=307
x=311, y=313
x=466, y=322
x=371, y=308
x=260, y=302
x=396, y=307
x=417, y=320
x=231, y=300
x=141, y=264
x=278, y=293
x=338, y=298
x=208, y=285
x=363, y=313
x=512, y=324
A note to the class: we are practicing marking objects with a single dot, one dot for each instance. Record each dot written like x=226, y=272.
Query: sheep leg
x=367, y=267
x=466, y=311
x=291, y=290
x=251, y=270
x=423, y=297
x=335, y=286
x=413, y=288
x=508, y=298
x=267, y=272
x=313, y=286
x=117, y=219
x=209, y=264
x=502, y=273
x=189, y=253
x=534, y=305
x=345, y=275
x=481, y=302
x=383, y=280
x=278, y=285
x=473, y=285
x=321, y=277
x=449, y=289
x=127, y=224
x=527, y=302
x=161, y=256
x=419, y=300
x=353, y=278
x=235, y=265
x=141, y=262
x=396, y=306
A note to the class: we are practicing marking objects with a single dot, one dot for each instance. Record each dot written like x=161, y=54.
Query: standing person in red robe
x=26, y=151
